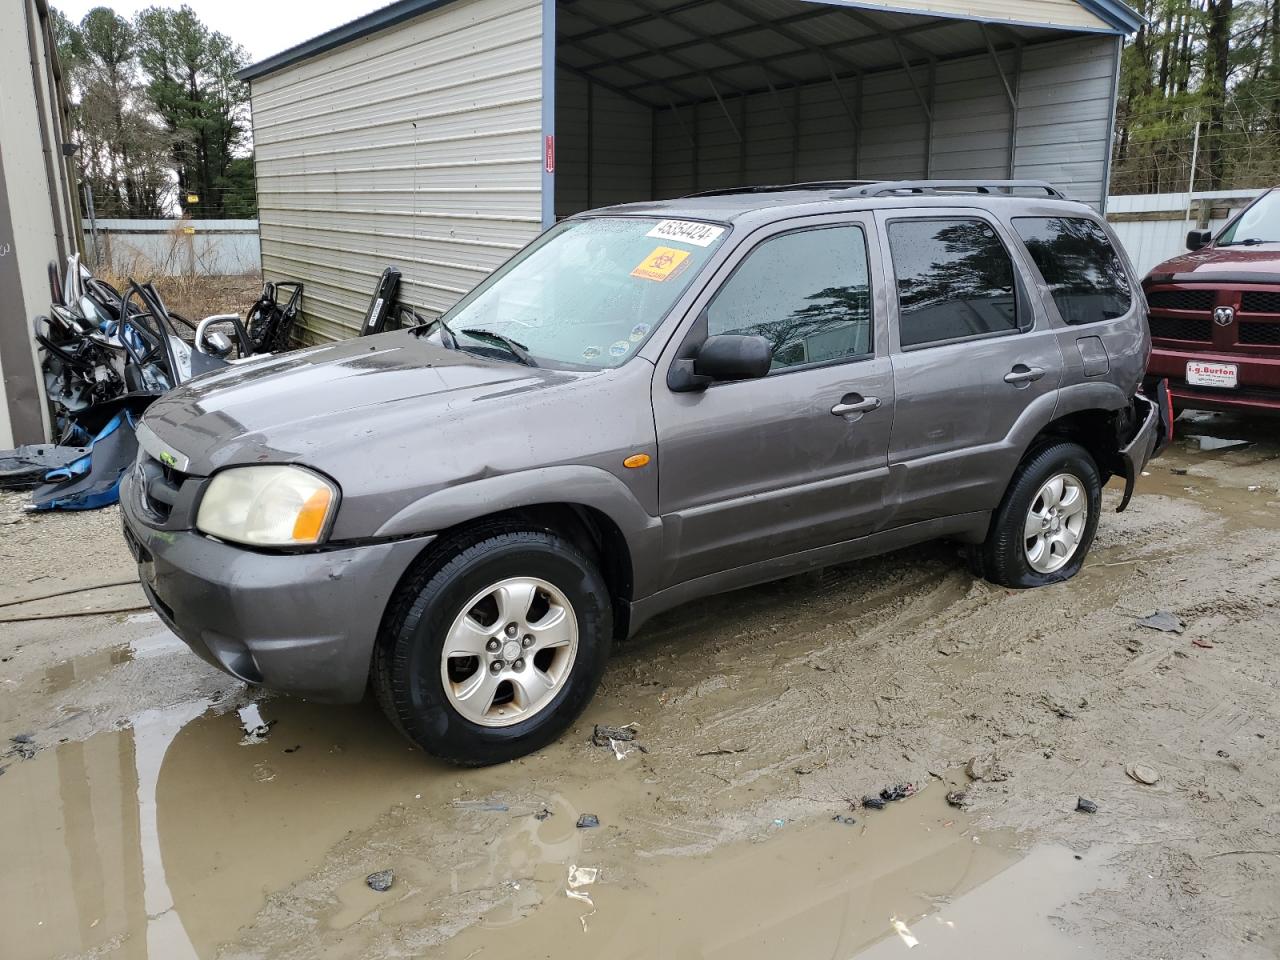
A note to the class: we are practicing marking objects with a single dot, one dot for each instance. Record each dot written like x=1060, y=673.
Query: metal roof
x=663, y=51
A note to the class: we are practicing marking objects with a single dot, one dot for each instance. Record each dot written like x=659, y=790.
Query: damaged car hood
x=294, y=407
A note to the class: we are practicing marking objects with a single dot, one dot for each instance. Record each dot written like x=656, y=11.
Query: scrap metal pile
x=106, y=355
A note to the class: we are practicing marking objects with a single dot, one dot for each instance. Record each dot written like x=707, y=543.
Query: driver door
x=760, y=469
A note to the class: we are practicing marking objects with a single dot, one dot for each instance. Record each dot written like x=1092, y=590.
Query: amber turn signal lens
x=310, y=523
x=634, y=463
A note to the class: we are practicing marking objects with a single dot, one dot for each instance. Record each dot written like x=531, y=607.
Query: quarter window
x=807, y=293
x=1080, y=265
x=955, y=280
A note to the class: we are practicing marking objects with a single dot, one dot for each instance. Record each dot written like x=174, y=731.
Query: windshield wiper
x=515, y=348
x=446, y=334
x=1248, y=242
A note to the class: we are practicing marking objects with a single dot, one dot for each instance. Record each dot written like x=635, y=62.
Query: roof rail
x=782, y=188
x=997, y=188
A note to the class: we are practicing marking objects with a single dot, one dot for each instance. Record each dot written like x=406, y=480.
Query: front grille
x=1181, y=328
x=1259, y=301
x=1181, y=299
x=1260, y=334
x=160, y=485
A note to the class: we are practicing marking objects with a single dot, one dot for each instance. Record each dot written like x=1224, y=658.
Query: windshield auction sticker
x=686, y=231
x=663, y=264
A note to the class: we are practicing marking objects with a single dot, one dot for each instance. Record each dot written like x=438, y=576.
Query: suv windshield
x=1260, y=223
x=587, y=294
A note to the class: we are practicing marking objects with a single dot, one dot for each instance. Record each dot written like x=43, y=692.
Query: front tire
x=491, y=650
x=1044, y=527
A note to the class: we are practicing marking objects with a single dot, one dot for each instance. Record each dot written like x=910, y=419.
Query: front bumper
x=1259, y=380
x=302, y=623
x=1149, y=437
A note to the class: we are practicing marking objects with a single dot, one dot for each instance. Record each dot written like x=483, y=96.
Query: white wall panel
x=1065, y=109
x=418, y=147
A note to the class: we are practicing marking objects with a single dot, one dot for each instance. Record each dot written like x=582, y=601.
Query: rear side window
x=1080, y=265
x=955, y=280
x=807, y=293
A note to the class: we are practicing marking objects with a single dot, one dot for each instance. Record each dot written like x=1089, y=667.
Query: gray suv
x=649, y=403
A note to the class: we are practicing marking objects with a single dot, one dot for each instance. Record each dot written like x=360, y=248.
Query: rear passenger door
x=1091, y=291
x=972, y=352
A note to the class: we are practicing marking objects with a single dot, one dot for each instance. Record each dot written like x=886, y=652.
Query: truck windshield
x=1260, y=223
x=588, y=293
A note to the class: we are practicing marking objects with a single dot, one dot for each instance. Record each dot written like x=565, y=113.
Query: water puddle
x=165, y=839
x=162, y=839
x=916, y=872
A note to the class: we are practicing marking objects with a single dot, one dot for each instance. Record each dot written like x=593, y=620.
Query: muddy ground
x=139, y=821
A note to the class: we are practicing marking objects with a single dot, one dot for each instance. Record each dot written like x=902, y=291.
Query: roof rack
x=887, y=188
x=783, y=188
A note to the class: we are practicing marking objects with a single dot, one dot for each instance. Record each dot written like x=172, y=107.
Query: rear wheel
x=493, y=649
x=1045, y=525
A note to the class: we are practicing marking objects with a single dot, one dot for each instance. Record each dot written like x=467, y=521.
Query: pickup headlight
x=268, y=506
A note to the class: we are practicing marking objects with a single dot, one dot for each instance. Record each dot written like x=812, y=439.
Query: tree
x=1208, y=63
x=122, y=148
x=190, y=79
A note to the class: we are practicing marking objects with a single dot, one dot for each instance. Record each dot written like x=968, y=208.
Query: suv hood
x=1259, y=263
x=294, y=407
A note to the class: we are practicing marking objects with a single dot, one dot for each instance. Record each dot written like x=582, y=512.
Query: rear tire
x=1044, y=527
x=455, y=678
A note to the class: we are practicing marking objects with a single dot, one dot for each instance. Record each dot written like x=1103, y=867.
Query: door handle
x=854, y=403
x=1022, y=374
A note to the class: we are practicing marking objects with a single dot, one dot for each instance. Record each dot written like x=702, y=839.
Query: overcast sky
x=262, y=27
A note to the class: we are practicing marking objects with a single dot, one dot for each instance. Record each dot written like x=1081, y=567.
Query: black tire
x=406, y=665
x=1002, y=558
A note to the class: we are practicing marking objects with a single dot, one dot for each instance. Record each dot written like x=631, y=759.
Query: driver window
x=807, y=293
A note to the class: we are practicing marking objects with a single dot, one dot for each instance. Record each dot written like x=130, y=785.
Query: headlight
x=268, y=506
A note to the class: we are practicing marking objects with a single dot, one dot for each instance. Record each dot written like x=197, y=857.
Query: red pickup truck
x=1215, y=315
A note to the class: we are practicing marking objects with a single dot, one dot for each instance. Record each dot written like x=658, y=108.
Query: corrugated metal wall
x=1065, y=107
x=418, y=147
x=1063, y=120
x=605, y=146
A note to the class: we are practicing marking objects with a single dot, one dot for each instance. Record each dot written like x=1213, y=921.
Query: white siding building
x=439, y=136
x=38, y=221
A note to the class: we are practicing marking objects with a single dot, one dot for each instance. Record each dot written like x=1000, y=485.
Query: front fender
x=573, y=484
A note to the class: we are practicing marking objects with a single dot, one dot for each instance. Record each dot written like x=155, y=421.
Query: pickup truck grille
x=1267, y=334
x=1181, y=300
x=1182, y=328
x=1188, y=317
x=1260, y=301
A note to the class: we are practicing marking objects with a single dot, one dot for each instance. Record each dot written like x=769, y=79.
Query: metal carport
x=441, y=135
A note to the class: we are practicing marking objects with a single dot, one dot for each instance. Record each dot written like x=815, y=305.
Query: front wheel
x=1045, y=525
x=491, y=651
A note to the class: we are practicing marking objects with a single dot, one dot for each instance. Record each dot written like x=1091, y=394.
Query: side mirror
x=724, y=358
x=1199, y=239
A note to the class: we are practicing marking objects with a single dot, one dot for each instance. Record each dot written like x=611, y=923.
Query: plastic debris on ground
x=255, y=729
x=27, y=465
x=621, y=740
x=580, y=877
x=587, y=821
x=843, y=819
x=889, y=795
x=1141, y=773
x=958, y=799
x=481, y=806
x=1164, y=621
x=23, y=745
x=381, y=881
x=1086, y=806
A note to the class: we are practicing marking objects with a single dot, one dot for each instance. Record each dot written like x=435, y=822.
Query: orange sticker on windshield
x=662, y=264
